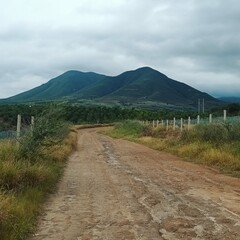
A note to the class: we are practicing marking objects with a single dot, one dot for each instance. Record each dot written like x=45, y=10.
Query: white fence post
x=224, y=115
x=198, y=119
x=162, y=123
x=153, y=124
x=174, y=123
x=210, y=118
x=18, y=126
x=157, y=123
x=189, y=123
x=167, y=125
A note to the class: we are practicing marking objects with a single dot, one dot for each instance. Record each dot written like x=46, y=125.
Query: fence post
x=224, y=115
x=174, y=123
x=189, y=123
x=153, y=124
x=210, y=118
x=167, y=125
x=198, y=119
x=157, y=123
x=181, y=125
x=18, y=126
x=162, y=123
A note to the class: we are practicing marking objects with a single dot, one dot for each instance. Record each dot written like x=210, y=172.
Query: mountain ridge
x=142, y=84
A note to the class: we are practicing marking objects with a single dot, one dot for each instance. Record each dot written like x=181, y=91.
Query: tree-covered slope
x=61, y=86
x=143, y=83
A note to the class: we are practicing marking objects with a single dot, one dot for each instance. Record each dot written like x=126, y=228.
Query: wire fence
x=21, y=128
x=188, y=123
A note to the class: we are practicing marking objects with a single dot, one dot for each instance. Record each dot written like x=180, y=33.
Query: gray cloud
x=196, y=42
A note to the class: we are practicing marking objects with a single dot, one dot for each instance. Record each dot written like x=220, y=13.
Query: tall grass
x=25, y=180
x=215, y=145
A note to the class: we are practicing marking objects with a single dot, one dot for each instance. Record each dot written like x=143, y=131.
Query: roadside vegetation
x=29, y=171
x=215, y=145
x=77, y=113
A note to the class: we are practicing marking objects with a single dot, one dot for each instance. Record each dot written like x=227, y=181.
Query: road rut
x=115, y=189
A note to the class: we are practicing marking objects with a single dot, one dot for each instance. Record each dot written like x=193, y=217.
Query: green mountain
x=61, y=86
x=143, y=84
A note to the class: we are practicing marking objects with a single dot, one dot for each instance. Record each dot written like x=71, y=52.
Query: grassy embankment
x=28, y=173
x=215, y=145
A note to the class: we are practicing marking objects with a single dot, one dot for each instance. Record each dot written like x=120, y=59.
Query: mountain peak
x=142, y=84
x=147, y=69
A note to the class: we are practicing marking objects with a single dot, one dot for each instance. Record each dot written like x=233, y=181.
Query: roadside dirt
x=114, y=189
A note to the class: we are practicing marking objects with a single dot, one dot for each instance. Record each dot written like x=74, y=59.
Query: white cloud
x=196, y=42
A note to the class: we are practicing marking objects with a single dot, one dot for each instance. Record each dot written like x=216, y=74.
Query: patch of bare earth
x=115, y=189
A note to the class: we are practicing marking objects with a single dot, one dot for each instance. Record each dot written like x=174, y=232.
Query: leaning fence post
x=210, y=118
x=224, y=115
x=174, y=123
x=18, y=126
x=189, y=123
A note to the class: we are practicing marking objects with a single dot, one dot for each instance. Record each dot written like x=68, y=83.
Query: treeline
x=78, y=114
x=102, y=114
x=8, y=114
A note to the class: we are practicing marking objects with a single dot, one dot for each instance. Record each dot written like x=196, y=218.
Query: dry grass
x=24, y=184
x=61, y=151
x=197, y=145
x=8, y=150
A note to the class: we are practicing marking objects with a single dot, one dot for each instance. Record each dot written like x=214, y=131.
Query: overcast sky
x=192, y=41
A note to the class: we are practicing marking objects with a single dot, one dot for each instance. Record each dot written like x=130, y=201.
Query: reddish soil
x=115, y=189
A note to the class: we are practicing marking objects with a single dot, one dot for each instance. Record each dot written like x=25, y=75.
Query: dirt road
x=114, y=189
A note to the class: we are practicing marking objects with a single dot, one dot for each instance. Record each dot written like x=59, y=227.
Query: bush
x=47, y=132
x=234, y=132
x=130, y=127
x=214, y=133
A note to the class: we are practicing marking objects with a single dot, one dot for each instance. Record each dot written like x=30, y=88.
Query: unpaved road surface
x=114, y=189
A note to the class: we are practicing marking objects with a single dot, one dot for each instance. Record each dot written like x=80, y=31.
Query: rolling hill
x=61, y=86
x=143, y=84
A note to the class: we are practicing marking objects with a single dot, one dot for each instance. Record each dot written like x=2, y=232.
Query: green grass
x=25, y=184
x=216, y=145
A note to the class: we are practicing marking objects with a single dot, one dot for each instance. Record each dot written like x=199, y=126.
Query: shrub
x=47, y=131
x=234, y=132
x=214, y=133
x=130, y=127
